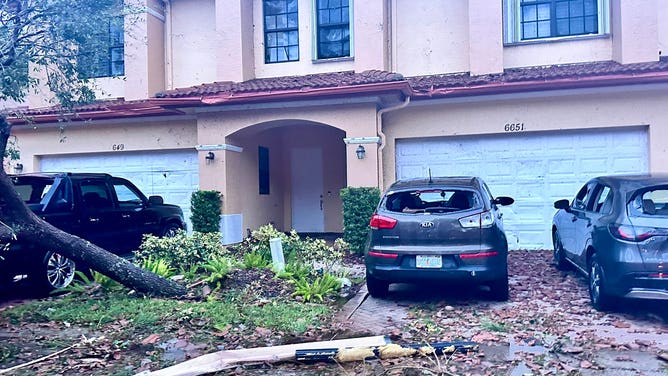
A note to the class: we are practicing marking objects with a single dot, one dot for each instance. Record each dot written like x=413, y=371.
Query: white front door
x=307, y=189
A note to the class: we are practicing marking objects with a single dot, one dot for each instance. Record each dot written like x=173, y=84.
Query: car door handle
x=126, y=216
x=574, y=219
x=93, y=220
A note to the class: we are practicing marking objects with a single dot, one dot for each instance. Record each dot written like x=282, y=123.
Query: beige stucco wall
x=467, y=35
x=193, y=42
x=430, y=36
x=96, y=137
x=619, y=108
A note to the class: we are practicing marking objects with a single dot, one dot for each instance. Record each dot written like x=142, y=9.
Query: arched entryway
x=289, y=173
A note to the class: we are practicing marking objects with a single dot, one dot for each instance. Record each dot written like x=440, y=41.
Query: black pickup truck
x=108, y=211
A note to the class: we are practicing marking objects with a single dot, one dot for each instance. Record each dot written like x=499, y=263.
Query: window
x=126, y=195
x=104, y=54
x=263, y=169
x=333, y=28
x=604, y=200
x=528, y=20
x=281, y=31
x=95, y=195
x=583, y=199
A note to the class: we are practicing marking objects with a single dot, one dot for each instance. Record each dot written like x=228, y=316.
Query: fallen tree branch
x=46, y=357
x=227, y=359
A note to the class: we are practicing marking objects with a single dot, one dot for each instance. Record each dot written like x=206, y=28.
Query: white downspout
x=379, y=131
x=169, y=77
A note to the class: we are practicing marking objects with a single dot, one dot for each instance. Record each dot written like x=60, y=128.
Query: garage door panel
x=535, y=169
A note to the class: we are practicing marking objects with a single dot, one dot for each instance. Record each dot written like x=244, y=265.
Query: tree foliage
x=40, y=41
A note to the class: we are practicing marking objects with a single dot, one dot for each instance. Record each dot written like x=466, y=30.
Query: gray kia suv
x=438, y=229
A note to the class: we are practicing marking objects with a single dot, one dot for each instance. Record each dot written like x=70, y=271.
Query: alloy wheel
x=59, y=271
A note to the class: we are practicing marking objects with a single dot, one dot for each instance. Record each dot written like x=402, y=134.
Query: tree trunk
x=29, y=228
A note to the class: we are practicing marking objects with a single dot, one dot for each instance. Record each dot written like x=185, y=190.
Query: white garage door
x=171, y=174
x=534, y=169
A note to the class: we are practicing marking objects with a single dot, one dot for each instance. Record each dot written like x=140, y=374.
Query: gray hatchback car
x=440, y=229
x=615, y=231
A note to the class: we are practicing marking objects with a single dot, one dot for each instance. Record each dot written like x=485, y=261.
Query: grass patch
x=96, y=312
x=493, y=326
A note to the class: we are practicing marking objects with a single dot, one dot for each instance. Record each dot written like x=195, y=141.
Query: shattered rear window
x=651, y=202
x=432, y=200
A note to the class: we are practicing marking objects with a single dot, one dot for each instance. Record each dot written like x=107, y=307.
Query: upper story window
x=528, y=20
x=332, y=28
x=281, y=31
x=104, y=54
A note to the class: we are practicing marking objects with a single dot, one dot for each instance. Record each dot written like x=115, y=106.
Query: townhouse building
x=279, y=104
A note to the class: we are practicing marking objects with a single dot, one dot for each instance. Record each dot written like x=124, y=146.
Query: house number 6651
x=513, y=127
x=117, y=147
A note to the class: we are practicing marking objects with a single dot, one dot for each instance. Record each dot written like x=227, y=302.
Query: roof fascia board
x=544, y=93
x=104, y=121
x=289, y=104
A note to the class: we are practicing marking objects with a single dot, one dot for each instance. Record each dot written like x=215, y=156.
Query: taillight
x=379, y=222
x=636, y=233
x=383, y=255
x=479, y=255
x=484, y=219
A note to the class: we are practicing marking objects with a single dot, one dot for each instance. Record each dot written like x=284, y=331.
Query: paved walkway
x=373, y=316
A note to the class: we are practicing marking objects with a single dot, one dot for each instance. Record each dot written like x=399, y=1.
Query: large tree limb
x=31, y=229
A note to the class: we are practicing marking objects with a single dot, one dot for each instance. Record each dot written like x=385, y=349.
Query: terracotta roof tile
x=289, y=83
x=545, y=74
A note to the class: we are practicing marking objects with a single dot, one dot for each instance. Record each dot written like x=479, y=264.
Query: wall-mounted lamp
x=360, y=152
x=18, y=168
x=210, y=156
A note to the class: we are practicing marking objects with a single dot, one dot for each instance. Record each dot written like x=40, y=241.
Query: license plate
x=428, y=261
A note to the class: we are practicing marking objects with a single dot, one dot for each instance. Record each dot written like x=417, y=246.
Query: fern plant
x=157, y=266
x=255, y=260
x=318, y=289
x=218, y=268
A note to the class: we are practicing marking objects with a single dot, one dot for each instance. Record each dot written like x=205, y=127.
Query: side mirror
x=504, y=201
x=562, y=204
x=156, y=200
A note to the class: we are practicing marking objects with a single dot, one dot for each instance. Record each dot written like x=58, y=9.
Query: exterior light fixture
x=210, y=156
x=360, y=152
x=18, y=168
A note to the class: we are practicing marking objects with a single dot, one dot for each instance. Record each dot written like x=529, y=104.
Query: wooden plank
x=226, y=359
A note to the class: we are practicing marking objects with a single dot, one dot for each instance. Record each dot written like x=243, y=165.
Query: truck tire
x=55, y=272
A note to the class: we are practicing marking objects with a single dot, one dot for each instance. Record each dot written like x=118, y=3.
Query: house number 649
x=117, y=147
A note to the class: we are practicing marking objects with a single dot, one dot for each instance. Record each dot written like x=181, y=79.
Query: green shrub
x=318, y=289
x=358, y=206
x=318, y=255
x=205, y=207
x=182, y=251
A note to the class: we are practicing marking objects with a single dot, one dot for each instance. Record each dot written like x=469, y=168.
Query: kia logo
x=428, y=224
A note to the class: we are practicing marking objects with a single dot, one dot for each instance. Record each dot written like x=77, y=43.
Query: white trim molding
x=211, y=147
x=362, y=140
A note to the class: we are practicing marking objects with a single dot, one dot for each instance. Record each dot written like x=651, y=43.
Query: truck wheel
x=56, y=272
x=170, y=230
